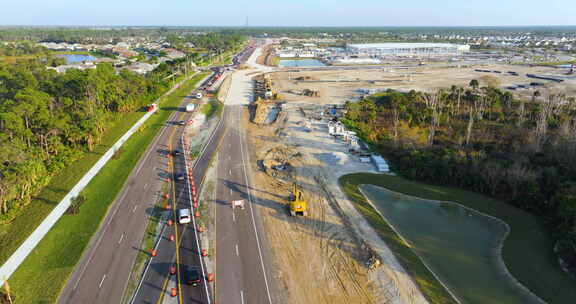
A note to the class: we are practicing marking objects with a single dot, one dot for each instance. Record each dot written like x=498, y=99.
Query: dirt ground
x=320, y=258
x=316, y=257
x=339, y=86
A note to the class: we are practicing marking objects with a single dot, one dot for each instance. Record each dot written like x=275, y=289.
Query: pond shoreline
x=527, y=250
x=497, y=251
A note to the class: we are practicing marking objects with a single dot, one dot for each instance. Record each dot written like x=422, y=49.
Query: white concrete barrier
x=32, y=241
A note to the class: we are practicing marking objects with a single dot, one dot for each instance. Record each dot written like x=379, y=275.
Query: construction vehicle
x=298, y=206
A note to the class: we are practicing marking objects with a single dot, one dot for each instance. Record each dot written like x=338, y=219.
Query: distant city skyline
x=290, y=13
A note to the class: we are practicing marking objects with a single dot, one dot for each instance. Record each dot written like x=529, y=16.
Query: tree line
x=482, y=139
x=48, y=120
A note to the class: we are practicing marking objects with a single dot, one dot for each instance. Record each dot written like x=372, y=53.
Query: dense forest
x=482, y=139
x=48, y=120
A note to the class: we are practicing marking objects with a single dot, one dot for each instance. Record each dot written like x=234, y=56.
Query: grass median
x=527, y=250
x=45, y=271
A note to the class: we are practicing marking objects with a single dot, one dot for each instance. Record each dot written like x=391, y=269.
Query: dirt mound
x=278, y=160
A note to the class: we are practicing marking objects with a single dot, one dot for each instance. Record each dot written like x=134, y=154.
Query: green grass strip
x=45, y=271
x=527, y=250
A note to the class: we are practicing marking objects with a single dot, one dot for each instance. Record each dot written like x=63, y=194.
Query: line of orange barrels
x=170, y=222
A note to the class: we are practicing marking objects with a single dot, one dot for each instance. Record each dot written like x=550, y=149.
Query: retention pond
x=300, y=63
x=459, y=245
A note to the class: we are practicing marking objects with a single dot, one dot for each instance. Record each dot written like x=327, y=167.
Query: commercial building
x=407, y=49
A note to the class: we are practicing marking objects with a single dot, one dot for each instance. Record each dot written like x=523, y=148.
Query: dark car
x=179, y=177
x=192, y=276
x=181, y=123
x=176, y=152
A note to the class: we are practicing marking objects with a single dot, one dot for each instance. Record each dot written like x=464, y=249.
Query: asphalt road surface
x=242, y=257
x=103, y=272
x=156, y=276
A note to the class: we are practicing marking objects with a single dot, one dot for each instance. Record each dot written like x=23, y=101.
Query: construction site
x=322, y=247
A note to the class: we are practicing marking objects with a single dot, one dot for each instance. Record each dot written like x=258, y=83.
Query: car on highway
x=176, y=152
x=181, y=123
x=184, y=216
x=192, y=276
x=179, y=177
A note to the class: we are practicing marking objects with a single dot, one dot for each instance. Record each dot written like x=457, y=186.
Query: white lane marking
x=252, y=216
x=233, y=216
x=149, y=151
x=237, y=252
x=121, y=238
x=102, y=281
x=99, y=240
x=194, y=225
x=230, y=172
x=230, y=191
x=242, y=296
x=134, y=209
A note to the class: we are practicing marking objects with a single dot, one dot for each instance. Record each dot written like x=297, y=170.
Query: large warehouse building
x=406, y=49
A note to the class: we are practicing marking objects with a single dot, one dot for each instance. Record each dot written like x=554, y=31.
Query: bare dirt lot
x=320, y=258
x=338, y=86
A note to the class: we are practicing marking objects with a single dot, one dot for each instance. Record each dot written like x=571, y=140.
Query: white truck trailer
x=190, y=107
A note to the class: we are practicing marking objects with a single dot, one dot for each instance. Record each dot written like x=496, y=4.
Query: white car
x=184, y=216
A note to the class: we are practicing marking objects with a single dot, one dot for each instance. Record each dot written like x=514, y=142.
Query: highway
x=242, y=256
x=103, y=272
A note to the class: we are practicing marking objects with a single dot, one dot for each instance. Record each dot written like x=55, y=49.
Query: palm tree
x=474, y=84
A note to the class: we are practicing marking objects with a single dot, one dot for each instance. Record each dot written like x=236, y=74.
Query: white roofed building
x=407, y=49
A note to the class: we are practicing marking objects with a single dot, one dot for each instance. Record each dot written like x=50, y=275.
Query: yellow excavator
x=298, y=206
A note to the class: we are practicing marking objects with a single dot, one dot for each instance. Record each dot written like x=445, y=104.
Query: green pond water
x=458, y=244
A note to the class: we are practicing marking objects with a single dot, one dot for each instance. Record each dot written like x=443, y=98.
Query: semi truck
x=190, y=107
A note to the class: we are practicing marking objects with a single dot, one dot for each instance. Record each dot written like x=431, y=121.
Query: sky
x=288, y=12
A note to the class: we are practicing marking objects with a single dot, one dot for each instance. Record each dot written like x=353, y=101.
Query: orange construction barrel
x=204, y=253
x=197, y=214
x=173, y=292
x=171, y=238
x=200, y=228
x=153, y=252
x=172, y=270
x=170, y=222
x=210, y=277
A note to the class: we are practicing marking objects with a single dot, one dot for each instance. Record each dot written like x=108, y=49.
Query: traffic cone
x=173, y=292
x=197, y=214
x=170, y=222
x=167, y=206
x=171, y=238
x=200, y=228
x=210, y=277
x=166, y=196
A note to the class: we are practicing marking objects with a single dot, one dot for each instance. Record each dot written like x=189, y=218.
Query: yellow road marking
x=163, y=291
